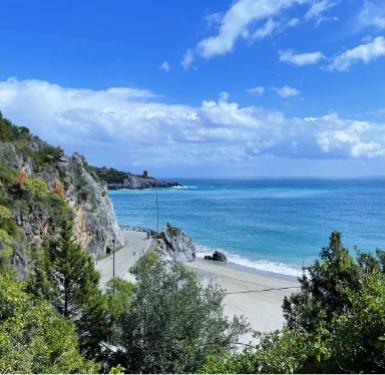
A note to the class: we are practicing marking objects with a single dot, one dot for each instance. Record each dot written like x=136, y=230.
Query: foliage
x=65, y=275
x=286, y=352
x=33, y=338
x=326, y=286
x=47, y=154
x=336, y=322
x=10, y=132
x=36, y=196
x=119, y=295
x=145, y=263
x=173, y=323
x=358, y=338
x=8, y=231
x=110, y=175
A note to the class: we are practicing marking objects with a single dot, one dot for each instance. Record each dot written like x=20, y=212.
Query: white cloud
x=165, y=66
x=286, y=91
x=318, y=8
x=133, y=125
x=300, y=59
x=371, y=15
x=350, y=140
x=267, y=29
x=253, y=20
x=213, y=19
x=362, y=53
x=293, y=22
x=238, y=21
x=258, y=90
x=188, y=59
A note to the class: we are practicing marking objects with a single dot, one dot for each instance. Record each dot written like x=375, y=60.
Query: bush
x=46, y=155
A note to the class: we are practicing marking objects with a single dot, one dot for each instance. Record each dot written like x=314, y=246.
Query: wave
x=260, y=265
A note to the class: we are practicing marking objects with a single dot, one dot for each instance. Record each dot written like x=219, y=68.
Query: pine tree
x=65, y=275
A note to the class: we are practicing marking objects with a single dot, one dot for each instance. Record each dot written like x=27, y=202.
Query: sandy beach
x=247, y=294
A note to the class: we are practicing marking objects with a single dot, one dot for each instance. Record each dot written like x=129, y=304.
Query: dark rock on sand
x=217, y=256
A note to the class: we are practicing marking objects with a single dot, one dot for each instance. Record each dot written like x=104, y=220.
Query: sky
x=243, y=88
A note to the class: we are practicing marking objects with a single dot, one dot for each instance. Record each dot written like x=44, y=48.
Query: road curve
x=136, y=245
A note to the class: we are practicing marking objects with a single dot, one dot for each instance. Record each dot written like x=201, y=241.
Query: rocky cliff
x=40, y=185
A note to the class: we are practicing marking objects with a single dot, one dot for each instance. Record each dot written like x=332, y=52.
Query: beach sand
x=262, y=309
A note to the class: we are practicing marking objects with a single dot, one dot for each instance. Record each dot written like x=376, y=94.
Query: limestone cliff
x=51, y=177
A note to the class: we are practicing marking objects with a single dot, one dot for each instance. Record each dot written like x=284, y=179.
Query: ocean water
x=275, y=225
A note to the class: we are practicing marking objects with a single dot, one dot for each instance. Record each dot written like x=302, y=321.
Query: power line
x=262, y=290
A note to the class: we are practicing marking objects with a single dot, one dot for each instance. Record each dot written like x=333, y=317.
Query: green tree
x=174, y=322
x=357, y=339
x=324, y=287
x=119, y=294
x=33, y=337
x=65, y=275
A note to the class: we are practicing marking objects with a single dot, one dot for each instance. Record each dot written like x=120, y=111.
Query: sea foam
x=260, y=265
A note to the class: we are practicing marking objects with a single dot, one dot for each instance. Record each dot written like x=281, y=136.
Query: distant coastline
x=118, y=180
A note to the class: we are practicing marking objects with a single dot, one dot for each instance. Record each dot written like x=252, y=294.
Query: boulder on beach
x=217, y=256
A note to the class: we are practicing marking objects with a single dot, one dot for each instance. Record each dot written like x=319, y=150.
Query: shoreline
x=262, y=273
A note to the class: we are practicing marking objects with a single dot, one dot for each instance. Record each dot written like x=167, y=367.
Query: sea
x=273, y=225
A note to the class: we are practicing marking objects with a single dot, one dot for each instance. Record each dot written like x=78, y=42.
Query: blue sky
x=197, y=88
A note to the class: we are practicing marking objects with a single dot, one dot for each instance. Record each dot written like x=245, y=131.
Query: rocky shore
x=117, y=180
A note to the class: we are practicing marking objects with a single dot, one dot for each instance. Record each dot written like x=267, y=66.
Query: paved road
x=136, y=245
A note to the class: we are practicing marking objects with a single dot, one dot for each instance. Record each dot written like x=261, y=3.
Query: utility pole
x=113, y=258
x=157, y=212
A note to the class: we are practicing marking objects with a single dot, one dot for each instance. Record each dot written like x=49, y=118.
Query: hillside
x=116, y=179
x=40, y=187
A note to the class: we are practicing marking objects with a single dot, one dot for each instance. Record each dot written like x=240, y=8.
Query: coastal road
x=136, y=245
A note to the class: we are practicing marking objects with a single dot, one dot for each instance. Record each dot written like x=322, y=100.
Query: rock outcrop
x=175, y=244
x=94, y=222
x=217, y=256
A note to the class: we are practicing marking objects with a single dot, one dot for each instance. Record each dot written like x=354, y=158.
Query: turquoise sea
x=275, y=225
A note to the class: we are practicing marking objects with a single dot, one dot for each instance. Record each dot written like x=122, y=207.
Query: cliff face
x=95, y=223
x=53, y=184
